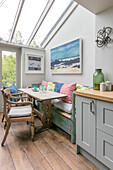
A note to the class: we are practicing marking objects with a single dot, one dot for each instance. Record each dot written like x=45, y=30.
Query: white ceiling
x=96, y=6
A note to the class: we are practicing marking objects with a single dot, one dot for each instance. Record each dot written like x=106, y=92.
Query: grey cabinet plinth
x=85, y=124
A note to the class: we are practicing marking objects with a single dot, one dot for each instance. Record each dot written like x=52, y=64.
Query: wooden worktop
x=96, y=94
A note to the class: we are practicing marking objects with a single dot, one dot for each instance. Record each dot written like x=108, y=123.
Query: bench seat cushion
x=54, y=101
x=66, y=107
x=21, y=111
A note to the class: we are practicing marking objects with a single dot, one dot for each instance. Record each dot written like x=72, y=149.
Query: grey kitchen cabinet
x=105, y=132
x=105, y=148
x=94, y=126
x=85, y=124
x=105, y=116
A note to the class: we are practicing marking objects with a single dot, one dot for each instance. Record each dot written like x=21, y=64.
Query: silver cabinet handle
x=91, y=103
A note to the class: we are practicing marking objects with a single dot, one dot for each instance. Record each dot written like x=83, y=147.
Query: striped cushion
x=68, y=89
x=21, y=111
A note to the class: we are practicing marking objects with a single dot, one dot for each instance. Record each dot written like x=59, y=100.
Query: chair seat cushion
x=66, y=107
x=20, y=111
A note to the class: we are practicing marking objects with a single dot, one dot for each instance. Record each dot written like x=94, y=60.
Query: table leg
x=46, y=118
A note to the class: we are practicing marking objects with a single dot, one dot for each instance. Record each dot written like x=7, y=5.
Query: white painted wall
x=104, y=56
x=81, y=24
x=28, y=79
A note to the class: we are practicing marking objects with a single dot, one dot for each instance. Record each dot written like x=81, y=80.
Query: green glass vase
x=98, y=77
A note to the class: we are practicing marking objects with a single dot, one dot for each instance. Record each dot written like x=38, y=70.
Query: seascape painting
x=67, y=58
x=34, y=63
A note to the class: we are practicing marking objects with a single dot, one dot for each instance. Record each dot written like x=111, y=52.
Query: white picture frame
x=63, y=62
x=34, y=63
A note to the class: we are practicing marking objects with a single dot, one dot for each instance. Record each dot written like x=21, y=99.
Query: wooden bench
x=64, y=120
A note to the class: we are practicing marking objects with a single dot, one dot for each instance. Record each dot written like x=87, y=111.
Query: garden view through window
x=8, y=68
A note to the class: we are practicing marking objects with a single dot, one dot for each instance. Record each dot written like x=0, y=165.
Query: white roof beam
x=19, y=9
x=40, y=21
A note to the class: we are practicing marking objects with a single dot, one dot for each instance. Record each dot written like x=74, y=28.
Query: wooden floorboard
x=64, y=138
x=6, y=161
x=51, y=149
x=63, y=152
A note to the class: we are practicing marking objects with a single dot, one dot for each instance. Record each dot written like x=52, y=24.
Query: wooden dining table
x=45, y=98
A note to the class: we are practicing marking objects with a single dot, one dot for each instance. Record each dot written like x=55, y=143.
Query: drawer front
x=105, y=116
x=105, y=148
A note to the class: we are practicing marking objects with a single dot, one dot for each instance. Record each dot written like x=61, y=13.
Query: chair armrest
x=21, y=97
x=20, y=103
x=15, y=94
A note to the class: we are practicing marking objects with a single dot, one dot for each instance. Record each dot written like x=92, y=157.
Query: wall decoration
x=67, y=58
x=34, y=64
x=103, y=36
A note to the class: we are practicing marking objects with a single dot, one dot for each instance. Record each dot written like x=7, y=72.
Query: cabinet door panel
x=105, y=148
x=85, y=124
x=105, y=116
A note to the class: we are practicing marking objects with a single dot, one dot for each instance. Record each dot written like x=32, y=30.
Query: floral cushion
x=45, y=83
x=80, y=87
x=50, y=86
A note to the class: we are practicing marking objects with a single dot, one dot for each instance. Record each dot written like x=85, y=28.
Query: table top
x=48, y=95
x=96, y=94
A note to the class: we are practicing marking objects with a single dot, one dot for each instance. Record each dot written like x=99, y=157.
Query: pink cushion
x=45, y=83
x=68, y=89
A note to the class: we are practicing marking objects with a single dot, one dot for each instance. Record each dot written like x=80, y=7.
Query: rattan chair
x=18, y=111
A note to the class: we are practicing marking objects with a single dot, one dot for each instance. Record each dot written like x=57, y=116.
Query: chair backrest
x=6, y=91
x=6, y=95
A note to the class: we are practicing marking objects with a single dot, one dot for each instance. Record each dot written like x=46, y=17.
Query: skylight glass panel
x=55, y=12
x=8, y=10
x=30, y=14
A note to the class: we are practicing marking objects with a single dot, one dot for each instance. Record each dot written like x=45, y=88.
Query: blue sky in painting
x=68, y=50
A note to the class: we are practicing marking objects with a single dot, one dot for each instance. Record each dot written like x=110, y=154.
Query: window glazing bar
x=40, y=21
x=19, y=9
x=57, y=22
